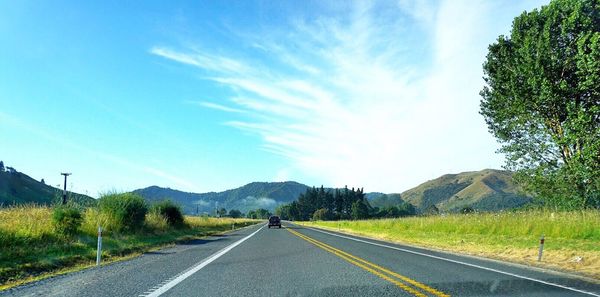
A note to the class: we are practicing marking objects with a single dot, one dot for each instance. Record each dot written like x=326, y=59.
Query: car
x=274, y=221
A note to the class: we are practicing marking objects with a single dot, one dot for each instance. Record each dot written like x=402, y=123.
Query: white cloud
x=356, y=102
x=215, y=106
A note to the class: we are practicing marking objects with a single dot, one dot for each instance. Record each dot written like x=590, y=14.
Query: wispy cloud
x=215, y=106
x=367, y=99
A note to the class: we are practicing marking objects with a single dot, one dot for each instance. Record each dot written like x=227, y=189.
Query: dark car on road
x=274, y=221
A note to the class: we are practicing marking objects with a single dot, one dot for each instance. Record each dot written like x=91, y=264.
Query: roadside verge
x=554, y=261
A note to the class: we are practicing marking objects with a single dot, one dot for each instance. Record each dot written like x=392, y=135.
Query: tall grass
x=512, y=236
x=577, y=225
x=30, y=245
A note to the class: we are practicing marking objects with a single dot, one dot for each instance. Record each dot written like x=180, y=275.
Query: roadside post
x=99, y=252
x=232, y=226
x=541, y=248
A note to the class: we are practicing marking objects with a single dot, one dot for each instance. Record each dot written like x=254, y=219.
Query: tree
x=222, y=212
x=251, y=214
x=360, y=210
x=1, y=166
x=234, y=213
x=542, y=101
x=260, y=213
x=321, y=214
x=43, y=181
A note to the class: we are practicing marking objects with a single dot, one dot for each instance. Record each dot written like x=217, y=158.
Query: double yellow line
x=407, y=284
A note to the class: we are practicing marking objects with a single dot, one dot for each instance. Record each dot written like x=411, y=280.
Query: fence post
x=99, y=252
x=541, y=248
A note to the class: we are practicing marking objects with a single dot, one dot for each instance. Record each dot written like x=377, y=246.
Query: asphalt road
x=297, y=261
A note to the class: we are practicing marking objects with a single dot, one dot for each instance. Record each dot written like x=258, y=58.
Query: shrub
x=170, y=211
x=66, y=220
x=467, y=210
x=125, y=211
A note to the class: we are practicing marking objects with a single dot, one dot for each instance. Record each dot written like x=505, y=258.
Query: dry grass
x=572, y=238
x=30, y=248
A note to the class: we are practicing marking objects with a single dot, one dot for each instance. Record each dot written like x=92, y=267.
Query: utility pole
x=64, y=200
x=217, y=209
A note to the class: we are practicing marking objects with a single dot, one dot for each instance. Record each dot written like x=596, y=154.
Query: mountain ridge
x=18, y=188
x=248, y=197
x=487, y=189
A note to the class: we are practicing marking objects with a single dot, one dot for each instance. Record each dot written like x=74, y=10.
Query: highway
x=299, y=261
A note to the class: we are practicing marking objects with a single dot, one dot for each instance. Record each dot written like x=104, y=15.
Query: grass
x=572, y=239
x=30, y=248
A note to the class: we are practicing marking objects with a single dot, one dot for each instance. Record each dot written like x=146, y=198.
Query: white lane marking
x=199, y=266
x=459, y=262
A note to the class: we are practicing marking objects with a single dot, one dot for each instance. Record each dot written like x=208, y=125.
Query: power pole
x=64, y=200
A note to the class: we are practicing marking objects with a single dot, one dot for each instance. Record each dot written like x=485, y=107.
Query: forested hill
x=267, y=195
x=17, y=188
x=487, y=190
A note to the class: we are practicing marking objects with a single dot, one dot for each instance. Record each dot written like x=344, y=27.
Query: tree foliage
x=542, y=101
x=338, y=204
x=234, y=213
x=260, y=214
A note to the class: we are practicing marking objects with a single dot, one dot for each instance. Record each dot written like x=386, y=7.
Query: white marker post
x=541, y=248
x=99, y=252
x=232, y=226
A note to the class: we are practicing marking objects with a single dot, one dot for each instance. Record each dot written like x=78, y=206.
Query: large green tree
x=542, y=101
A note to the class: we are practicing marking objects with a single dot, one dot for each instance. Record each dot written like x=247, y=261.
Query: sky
x=210, y=95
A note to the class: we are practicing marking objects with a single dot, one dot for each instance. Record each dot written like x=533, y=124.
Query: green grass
x=30, y=247
x=506, y=235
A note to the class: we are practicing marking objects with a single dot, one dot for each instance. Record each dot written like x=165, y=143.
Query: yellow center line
x=375, y=269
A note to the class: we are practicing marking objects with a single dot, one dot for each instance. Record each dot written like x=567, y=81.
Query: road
x=298, y=261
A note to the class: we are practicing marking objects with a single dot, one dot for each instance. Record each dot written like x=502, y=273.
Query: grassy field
x=572, y=238
x=31, y=249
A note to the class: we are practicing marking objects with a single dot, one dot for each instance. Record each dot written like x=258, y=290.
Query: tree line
x=260, y=213
x=338, y=204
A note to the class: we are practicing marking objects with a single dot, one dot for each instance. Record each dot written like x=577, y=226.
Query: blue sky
x=210, y=95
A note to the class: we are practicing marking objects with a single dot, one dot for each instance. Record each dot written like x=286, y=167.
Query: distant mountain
x=17, y=188
x=488, y=190
x=251, y=196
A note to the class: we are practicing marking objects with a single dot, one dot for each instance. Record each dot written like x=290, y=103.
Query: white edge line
x=199, y=266
x=459, y=262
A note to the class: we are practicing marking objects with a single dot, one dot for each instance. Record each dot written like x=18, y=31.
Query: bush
x=170, y=211
x=66, y=220
x=125, y=211
x=467, y=210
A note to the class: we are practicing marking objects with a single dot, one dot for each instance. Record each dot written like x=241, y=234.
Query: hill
x=17, y=188
x=488, y=190
x=385, y=200
x=251, y=196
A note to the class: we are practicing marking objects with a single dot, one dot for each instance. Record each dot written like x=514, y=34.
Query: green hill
x=385, y=200
x=18, y=188
x=251, y=196
x=488, y=190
